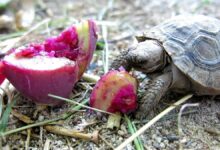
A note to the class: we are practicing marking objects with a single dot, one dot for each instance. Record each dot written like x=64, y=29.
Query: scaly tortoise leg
x=121, y=61
x=156, y=90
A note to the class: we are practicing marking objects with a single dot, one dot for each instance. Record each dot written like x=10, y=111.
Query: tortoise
x=181, y=54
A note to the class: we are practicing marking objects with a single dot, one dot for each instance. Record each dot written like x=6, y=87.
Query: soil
x=120, y=21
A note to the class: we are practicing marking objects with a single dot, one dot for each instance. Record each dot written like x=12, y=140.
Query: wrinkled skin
x=150, y=58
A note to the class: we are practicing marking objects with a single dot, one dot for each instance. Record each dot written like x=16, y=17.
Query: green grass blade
x=5, y=117
x=139, y=140
x=132, y=131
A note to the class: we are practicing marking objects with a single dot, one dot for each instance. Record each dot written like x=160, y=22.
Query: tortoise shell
x=193, y=43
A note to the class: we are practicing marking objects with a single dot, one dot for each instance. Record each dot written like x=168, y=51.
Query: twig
x=32, y=135
x=73, y=133
x=180, y=132
x=102, y=14
x=106, y=51
x=154, y=120
x=106, y=142
x=33, y=125
x=68, y=143
x=11, y=35
x=62, y=117
x=27, y=142
x=41, y=135
x=168, y=117
x=90, y=77
x=47, y=144
x=21, y=117
x=104, y=11
x=213, y=131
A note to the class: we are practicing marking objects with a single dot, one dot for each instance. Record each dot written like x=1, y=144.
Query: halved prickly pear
x=116, y=91
x=2, y=76
x=86, y=38
x=52, y=67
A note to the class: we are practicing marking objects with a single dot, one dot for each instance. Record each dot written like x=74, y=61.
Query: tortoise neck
x=165, y=59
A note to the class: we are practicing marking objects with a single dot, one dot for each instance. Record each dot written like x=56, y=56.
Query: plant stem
x=132, y=131
x=138, y=138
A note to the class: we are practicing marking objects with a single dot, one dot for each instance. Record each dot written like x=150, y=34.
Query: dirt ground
x=118, y=22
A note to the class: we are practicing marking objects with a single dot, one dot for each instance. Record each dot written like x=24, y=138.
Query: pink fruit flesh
x=37, y=77
x=116, y=91
x=53, y=66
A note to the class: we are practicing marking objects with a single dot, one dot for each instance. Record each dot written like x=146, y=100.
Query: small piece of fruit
x=52, y=67
x=116, y=91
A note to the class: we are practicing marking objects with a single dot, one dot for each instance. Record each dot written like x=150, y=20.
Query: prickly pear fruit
x=2, y=76
x=116, y=91
x=52, y=67
x=87, y=41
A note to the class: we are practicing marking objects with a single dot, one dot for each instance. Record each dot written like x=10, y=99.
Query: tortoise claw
x=156, y=90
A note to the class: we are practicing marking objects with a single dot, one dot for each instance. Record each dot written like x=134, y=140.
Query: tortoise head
x=147, y=56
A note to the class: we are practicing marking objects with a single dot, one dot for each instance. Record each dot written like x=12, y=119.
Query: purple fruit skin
x=124, y=100
x=36, y=85
x=85, y=55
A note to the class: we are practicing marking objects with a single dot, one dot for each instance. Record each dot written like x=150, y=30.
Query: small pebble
x=120, y=139
x=158, y=139
x=123, y=128
x=164, y=132
x=120, y=132
x=156, y=145
x=40, y=118
x=149, y=142
x=165, y=142
x=162, y=145
x=154, y=136
x=172, y=138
